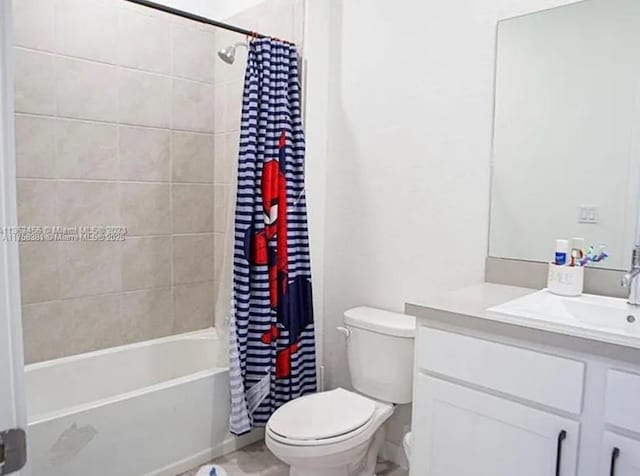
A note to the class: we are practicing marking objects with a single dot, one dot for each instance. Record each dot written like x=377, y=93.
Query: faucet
x=630, y=280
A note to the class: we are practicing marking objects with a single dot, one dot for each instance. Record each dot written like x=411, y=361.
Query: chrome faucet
x=630, y=280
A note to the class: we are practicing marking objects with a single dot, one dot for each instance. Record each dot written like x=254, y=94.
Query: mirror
x=566, y=147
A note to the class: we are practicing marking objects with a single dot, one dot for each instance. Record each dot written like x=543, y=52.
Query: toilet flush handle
x=343, y=330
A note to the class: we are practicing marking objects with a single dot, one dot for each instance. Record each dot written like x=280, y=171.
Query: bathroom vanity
x=512, y=381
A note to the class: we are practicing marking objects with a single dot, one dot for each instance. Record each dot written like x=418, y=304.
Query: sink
x=589, y=312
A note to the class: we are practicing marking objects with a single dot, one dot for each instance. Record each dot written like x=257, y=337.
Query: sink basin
x=589, y=312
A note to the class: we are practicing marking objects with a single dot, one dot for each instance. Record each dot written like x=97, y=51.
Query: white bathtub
x=152, y=408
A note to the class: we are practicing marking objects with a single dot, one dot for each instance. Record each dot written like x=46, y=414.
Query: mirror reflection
x=567, y=131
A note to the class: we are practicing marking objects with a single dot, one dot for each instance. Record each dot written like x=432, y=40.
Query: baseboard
x=229, y=445
x=394, y=453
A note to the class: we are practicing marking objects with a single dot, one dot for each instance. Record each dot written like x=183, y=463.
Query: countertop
x=467, y=308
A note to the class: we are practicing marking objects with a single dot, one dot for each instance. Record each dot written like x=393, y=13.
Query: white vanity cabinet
x=620, y=456
x=488, y=407
x=463, y=432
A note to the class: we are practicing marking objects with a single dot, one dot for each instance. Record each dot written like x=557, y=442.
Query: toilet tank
x=380, y=353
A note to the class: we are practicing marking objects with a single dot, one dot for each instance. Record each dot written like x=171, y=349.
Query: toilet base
x=351, y=455
x=360, y=461
x=293, y=472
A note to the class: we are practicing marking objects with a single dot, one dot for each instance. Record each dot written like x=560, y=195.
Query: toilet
x=340, y=432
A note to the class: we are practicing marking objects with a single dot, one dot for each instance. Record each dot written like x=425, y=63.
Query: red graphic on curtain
x=274, y=254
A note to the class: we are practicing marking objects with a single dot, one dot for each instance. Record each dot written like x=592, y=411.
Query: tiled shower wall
x=125, y=116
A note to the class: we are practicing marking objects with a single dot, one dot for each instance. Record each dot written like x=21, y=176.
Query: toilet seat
x=322, y=418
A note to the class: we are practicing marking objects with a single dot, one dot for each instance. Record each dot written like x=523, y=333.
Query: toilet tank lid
x=380, y=321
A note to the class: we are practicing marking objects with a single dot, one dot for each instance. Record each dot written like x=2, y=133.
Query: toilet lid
x=322, y=415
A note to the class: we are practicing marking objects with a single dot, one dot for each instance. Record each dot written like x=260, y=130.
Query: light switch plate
x=589, y=214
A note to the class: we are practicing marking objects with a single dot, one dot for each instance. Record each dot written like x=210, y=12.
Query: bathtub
x=154, y=408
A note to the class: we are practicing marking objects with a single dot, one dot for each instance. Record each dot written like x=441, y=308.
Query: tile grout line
x=92, y=61
x=167, y=287
x=118, y=123
x=119, y=187
x=174, y=323
x=116, y=180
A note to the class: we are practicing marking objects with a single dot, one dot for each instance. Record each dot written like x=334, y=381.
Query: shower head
x=228, y=54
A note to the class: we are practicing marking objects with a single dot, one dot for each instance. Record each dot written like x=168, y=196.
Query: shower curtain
x=272, y=354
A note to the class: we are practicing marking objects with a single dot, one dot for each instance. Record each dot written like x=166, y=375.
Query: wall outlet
x=588, y=214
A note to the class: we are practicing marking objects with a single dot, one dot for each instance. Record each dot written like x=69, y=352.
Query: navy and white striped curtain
x=272, y=333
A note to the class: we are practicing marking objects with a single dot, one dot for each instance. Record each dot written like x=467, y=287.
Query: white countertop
x=474, y=301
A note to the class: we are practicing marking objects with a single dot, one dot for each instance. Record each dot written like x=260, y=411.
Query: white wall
x=407, y=168
x=214, y=9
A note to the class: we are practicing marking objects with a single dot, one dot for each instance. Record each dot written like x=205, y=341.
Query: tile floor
x=257, y=460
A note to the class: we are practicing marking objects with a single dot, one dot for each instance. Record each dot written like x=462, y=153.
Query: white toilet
x=340, y=432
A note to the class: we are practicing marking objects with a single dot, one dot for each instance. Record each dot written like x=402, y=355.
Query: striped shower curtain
x=271, y=332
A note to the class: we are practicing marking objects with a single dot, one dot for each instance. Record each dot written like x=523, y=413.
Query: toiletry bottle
x=562, y=250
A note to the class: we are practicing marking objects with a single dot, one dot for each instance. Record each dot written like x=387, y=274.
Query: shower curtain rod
x=198, y=18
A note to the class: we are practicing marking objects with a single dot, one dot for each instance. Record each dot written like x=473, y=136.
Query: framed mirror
x=566, y=147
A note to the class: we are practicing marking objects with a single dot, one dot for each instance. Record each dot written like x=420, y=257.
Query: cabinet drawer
x=546, y=379
x=622, y=400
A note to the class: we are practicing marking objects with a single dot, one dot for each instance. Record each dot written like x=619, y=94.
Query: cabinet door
x=623, y=462
x=463, y=432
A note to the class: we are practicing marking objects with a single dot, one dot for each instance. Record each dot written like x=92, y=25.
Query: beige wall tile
x=35, y=146
x=39, y=271
x=191, y=208
x=45, y=329
x=87, y=150
x=226, y=158
x=146, y=263
x=140, y=9
x=60, y=328
x=90, y=267
x=219, y=115
x=35, y=82
x=233, y=106
x=148, y=128
x=192, y=258
x=86, y=29
x=219, y=249
x=97, y=322
x=88, y=204
x=37, y=202
x=143, y=42
x=145, y=208
x=86, y=90
x=192, y=50
x=33, y=24
x=144, y=99
x=147, y=314
x=220, y=204
x=194, y=306
x=144, y=154
x=192, y=157
x=193, y=106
